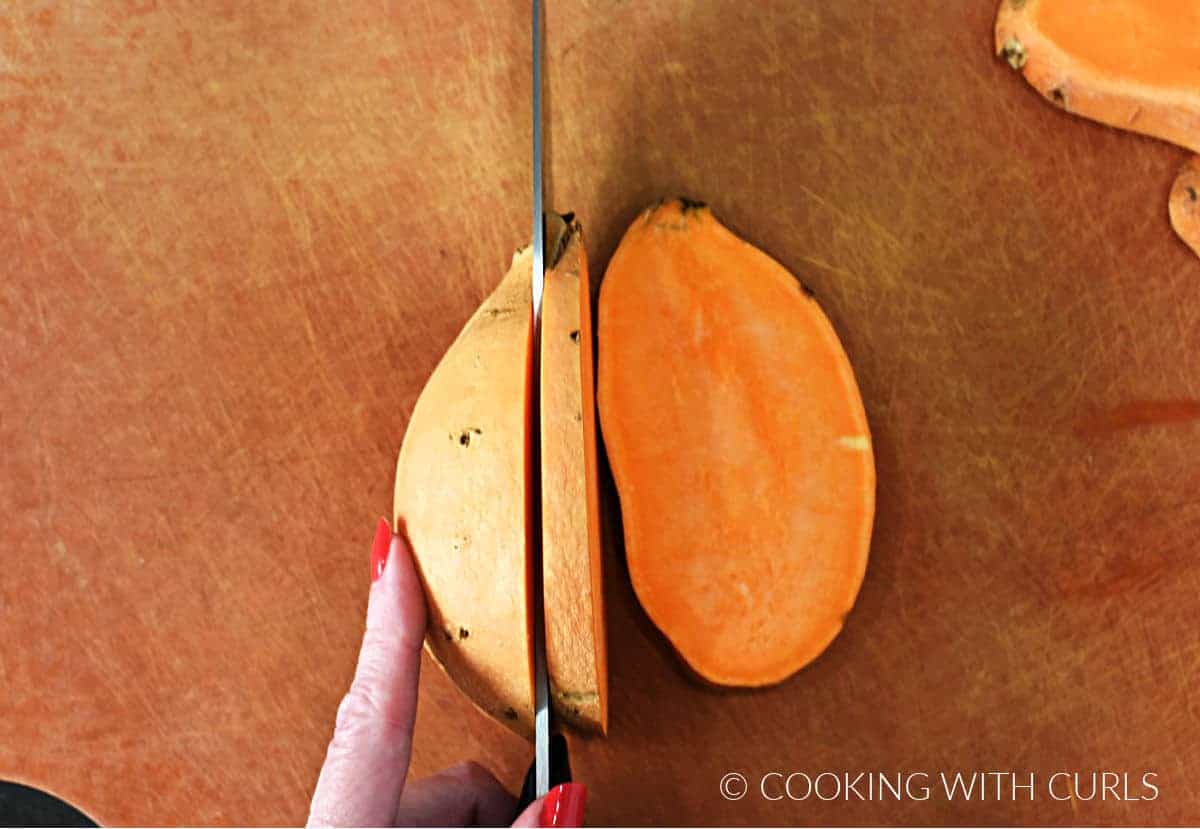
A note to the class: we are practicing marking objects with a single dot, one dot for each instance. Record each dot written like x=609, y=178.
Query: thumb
x=367, y=760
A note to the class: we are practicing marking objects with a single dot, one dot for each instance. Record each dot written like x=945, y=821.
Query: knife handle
x=560, y=772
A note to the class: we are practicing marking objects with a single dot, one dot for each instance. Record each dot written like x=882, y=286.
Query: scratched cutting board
x=235, y=239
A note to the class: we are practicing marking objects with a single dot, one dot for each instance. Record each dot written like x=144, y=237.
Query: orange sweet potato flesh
x=1131, y=64
x=461, y=497
x=572, y=580
x=739, y=446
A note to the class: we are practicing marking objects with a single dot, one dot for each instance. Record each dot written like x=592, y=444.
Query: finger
x=367, y=760
x=564, y=805
x=462, y=795
x=532, y=814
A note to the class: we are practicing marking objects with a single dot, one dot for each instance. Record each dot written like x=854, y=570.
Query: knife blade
x=541, y=684
x=551, y=761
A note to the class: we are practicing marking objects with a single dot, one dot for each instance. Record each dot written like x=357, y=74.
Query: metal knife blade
x=541, y=684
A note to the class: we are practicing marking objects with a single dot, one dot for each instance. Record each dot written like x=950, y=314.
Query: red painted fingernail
x=563, y=805
x=380, y=549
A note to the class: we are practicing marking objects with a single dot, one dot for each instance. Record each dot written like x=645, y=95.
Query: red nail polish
x=563, y=805
x=381, y=548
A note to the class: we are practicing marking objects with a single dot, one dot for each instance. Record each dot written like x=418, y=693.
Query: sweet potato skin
x=1184, y=204
x=461, y=498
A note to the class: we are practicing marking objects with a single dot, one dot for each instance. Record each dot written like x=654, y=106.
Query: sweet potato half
x=463, y=497
x=739, y=446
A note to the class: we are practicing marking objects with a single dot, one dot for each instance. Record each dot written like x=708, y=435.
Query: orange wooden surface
x=235, y=238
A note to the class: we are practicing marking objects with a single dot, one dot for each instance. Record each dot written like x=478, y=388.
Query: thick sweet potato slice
x=461, y=497
x=739, y=446
x=571, y=550
x=1131, y=64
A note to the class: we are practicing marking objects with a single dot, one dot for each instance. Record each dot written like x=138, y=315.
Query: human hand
x=363, y=780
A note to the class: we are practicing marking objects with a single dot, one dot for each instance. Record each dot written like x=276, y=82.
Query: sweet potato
x=739, y=446
x=1184, y=204
x=1131, y=64
x=463, y=490
x=461, y=497
x=573, y=605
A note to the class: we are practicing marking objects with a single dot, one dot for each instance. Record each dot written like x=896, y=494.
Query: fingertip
x=564, y=805
x=381, y=548
x=532, y=814
x=412, y=593
x=397, y=598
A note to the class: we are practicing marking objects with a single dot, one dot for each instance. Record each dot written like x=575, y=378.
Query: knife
x=551, y=765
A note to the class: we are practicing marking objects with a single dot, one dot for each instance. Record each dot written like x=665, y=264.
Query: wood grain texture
x=234, y=241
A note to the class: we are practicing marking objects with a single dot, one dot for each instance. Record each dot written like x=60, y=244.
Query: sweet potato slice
x=739, y=446
x=461, y=497
x=1131, y=64
x=571, y=550
x=1184, y=204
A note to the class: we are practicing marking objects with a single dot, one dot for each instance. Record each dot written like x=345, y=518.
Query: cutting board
x=236, y=238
